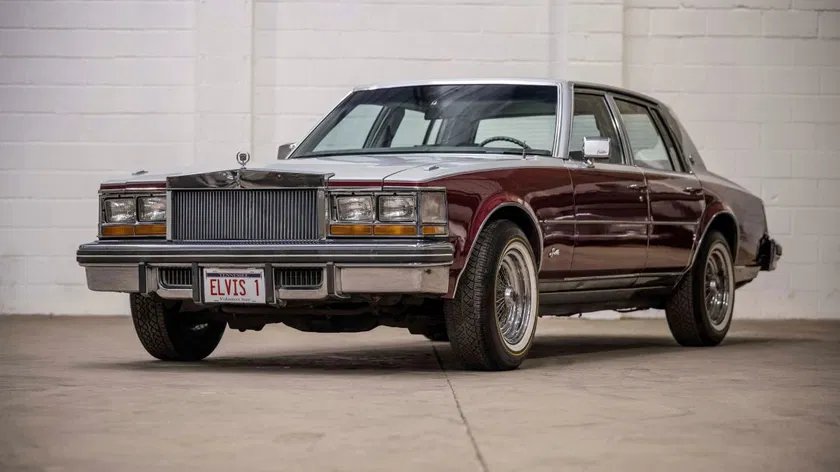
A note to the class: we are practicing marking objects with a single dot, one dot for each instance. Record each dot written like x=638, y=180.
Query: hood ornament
x=242, y=158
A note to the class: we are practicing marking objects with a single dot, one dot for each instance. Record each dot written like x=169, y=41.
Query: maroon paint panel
x=544, y=193
x=612, y=215
x=676, y=206
x=725, y=196
x=590, y=221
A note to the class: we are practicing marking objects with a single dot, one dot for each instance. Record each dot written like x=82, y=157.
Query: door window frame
x=677, y=159
x=626, y=158
x=665, y=133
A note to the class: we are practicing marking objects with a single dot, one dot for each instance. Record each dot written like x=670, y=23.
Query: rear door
x=611, y=211
x=675, y=195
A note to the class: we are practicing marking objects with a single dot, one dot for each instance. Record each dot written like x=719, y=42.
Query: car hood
x=380, y=168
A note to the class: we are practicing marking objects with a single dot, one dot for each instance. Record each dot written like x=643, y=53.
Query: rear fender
x=713, y=212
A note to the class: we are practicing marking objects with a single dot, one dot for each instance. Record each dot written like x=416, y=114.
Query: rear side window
x=651, y=149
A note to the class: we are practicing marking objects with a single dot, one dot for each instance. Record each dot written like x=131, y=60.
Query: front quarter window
x=439, y=118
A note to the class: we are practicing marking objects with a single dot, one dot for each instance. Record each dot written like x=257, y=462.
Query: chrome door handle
x=693, y=190
x=637, y=186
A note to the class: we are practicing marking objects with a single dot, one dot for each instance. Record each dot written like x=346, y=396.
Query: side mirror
x=596, y=148
x=284, y=150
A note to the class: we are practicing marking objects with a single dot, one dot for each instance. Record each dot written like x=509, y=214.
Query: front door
x=676, y=197
x=611, y=209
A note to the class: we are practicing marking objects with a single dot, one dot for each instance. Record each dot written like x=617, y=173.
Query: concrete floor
x=80, y=394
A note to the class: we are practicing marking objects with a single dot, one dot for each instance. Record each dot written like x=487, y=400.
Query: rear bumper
x=769, y=253
x=371, y=267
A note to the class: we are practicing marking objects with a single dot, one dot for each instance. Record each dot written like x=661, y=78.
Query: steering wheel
x=504, y=138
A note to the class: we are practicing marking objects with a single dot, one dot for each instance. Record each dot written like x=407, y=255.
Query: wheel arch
x=518, y=213
x=723, y=221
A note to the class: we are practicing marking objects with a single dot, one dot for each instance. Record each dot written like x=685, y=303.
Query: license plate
x=233, y=285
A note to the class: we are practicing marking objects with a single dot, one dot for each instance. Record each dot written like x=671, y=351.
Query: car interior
x=510, y=118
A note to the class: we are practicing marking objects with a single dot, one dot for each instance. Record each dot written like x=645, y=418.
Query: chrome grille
x=175, y=277
x=298, y=278
x=245, y=215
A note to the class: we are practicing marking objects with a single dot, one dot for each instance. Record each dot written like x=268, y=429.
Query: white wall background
x=91, y=89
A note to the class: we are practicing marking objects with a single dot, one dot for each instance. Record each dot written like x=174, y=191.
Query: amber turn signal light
x=150, y=230
x=118, y=230
x=395, y=230
x=434, y=230
x=351, y=230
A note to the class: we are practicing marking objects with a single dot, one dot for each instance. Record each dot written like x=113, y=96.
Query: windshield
x=439, y=118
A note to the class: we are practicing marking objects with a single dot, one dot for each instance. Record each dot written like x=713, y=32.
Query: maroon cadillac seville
x=461, y=210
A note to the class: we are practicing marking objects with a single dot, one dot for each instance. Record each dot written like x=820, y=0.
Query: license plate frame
x=235, y=285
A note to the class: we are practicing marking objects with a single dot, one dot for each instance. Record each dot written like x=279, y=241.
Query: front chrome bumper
x=371, y=267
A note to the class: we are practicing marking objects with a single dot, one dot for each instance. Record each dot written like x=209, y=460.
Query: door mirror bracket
x=595, y=149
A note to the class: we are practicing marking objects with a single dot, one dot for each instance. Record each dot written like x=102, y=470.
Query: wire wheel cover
x=717, y=287
x=513, y=294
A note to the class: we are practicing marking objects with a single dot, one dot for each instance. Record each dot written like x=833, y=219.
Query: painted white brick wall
x=94, y=89
x=87, y=90
x=91, y=89
x=757, y=84
x=309, y=54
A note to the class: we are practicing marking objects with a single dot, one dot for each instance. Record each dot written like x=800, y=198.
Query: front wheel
x=700, y=310
x=438, y=336
x=492, y=318
x=169, y=334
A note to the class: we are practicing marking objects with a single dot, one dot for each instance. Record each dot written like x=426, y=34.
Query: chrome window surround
x=375, y=193
x=135, y=194
x=565, y=98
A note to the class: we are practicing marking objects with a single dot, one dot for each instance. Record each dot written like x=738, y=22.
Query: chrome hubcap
x=717, y=287
x=513, y=295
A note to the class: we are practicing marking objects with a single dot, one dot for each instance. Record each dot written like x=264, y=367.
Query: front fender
x=515, y=208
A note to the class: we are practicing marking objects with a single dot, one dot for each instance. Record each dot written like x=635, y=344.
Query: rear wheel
x=700, y=310
x=492, y=318
x=171, y=335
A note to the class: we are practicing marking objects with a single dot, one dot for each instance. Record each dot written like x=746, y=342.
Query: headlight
x=397, y=208
x=120, y=210
x=151, y=209
x=433, y=207
x=354, y=208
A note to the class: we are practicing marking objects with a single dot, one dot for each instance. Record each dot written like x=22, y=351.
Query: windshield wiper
x=345, y=152
x=519, y=152
x=426, y=149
